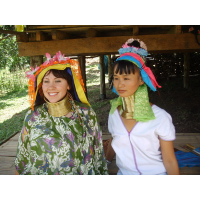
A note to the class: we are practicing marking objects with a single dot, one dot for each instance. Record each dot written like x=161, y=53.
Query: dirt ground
x=182, y=104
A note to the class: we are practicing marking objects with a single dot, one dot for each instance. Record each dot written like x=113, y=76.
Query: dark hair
x=59, y=74
x=124, y=66
x=135, y=43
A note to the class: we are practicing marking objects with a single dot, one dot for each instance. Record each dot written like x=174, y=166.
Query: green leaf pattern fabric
x=59, y=145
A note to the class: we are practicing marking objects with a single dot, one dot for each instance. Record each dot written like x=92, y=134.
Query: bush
x=12, y=81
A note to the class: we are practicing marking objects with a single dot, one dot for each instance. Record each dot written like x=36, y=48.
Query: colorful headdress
x=136, y=106
x=136, y=55
x=58, y=62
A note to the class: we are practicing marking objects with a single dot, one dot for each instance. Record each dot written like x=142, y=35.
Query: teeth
x=52, y=94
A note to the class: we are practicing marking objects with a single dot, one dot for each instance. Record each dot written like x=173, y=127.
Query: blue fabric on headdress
x=140, y=51
x=147, y=80
x=75, y=93
x=114, y=90
x=130, y=58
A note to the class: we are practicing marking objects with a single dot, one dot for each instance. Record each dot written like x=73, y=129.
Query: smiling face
x=126, y=83
x=54, y=88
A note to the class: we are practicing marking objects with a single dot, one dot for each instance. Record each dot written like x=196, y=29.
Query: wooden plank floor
x=9, y=148
x=7, y=155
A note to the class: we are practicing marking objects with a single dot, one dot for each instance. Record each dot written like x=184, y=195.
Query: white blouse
x=138, y=151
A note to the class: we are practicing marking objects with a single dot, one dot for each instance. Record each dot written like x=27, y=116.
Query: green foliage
x=9, y=52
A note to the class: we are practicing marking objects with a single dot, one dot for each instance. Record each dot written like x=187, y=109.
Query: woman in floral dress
x=61, y=133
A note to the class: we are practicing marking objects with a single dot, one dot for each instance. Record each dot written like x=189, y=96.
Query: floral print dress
x=60, y=145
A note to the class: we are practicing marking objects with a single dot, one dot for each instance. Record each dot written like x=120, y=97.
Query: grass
x=13, y=107
x=13, y=101
x=12, y=81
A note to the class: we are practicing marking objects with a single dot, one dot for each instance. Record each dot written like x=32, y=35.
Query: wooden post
x=186, y=70
x=135, y=30
x=81, y=60
x=178, y=28
x=175, y=29
x=36, y=60
x=109, y=66
x=102, y=78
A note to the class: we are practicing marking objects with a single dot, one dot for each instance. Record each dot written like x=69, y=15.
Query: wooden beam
x=41, y=36
x=91, y=33
x=22, y=38
x=163, y=43
x=59, y=35
x=11, y=32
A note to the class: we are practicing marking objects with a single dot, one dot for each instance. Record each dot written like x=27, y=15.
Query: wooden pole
x=135, y=30
x=81, y=60
x=109, y=66
x=186, y=70
x=102, y=78
x=36, y=60
x=12, y=32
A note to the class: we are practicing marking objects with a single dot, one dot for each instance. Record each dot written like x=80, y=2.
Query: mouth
x=121, y=91
x=53, y=93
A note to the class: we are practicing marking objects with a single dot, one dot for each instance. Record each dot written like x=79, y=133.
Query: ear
x=68, y=87
x=141, y=80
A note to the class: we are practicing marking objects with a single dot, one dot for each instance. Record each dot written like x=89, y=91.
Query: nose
x=120, y=83
x=51, y=85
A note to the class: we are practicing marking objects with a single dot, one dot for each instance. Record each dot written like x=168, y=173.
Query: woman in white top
x=142, y=133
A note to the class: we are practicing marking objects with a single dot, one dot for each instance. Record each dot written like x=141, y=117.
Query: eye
x=115, y=78
x=126, y=78
x=45, y=81
x=57, y=81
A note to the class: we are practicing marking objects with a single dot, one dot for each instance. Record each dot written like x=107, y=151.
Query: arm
x=169, y=158
x=110, y=154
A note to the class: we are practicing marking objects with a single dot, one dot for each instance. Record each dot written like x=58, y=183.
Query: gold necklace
x=127, y=109
x=60, y=108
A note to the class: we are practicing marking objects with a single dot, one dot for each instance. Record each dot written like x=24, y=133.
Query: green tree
x=9, y=51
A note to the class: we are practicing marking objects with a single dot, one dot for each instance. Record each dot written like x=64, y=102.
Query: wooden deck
x=8, y=153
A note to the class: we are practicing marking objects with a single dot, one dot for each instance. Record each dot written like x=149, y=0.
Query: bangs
x=60, y=74
x=124, y=66
x=57, y=73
